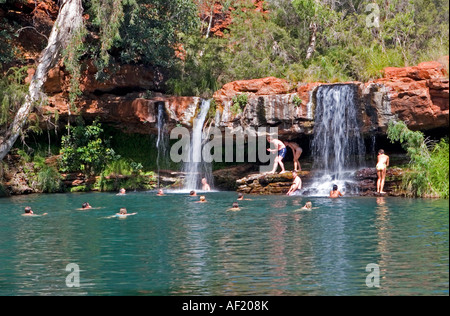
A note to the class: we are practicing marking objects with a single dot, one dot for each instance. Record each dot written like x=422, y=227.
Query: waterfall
x=337, y=146
x=162, y=142
x=196, y=168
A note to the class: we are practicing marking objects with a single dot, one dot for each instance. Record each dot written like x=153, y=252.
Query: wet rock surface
x=365, y=182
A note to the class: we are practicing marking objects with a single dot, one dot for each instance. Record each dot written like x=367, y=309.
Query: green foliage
x=429, y=169
x=79, y=188
x=7, y=51
x=108, y=16
x=212, y=111
x=139, y=148
x=256, y=46
x=198, y=72
x=296, y=100
x=314, y=11
x=84, y=148
x=123, y=167
x=140, y=31
x=49, y=179
x=125, y=173
x=239, y=103
x=412, y=142
x=12, y=94
x=439, y=168
x=72, y=55
x=259, y=44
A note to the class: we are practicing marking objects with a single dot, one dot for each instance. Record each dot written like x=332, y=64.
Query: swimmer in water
x=235, y=207
x=202, y=199
x=29, y=212
x=122, y=213
x=160, y=192
x=308, y=206
x=335, y=192
x=85, y=206
x=122, y=191
x=241, y=197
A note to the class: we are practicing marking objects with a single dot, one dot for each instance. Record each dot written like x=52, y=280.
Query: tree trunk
x=67, y=23
x=312, y=40
x=211, y=14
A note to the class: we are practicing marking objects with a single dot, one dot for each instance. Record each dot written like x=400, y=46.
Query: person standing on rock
x=382, y=164
x=205, y=185
x=296, y=185
x=297, y=151
x=281, y=149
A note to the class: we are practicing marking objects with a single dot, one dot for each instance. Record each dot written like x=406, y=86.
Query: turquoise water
x=174, y=246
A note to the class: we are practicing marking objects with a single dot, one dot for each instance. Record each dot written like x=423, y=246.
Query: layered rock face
x=270, y=102
x=418, y=95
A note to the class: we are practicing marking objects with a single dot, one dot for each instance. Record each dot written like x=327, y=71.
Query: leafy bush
x=125, y=173
x=122, y=167
x=46, y=177
x=198, y=71
x=83, y=148
x=429, y=169
x=49, y=179
x=439, y=168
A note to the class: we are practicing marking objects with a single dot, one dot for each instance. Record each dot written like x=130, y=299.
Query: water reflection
x=174, y=246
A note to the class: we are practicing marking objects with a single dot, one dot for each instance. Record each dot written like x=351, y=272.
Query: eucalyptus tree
x=124, y=31
x=68, y=22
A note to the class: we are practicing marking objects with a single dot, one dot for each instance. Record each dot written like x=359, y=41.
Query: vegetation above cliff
x=199, y=45
x=312, y=40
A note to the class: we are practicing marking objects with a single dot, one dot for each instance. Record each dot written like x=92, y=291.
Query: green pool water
x=174, y=246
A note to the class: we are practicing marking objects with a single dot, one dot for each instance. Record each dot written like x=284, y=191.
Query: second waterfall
x=338, y=146
x=196, y=168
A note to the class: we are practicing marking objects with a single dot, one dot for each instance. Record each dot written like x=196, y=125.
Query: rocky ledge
x=269, y=183
x=365, y=179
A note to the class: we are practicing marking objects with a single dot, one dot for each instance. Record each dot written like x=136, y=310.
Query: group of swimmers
x=382, y=164
x=235, y=206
